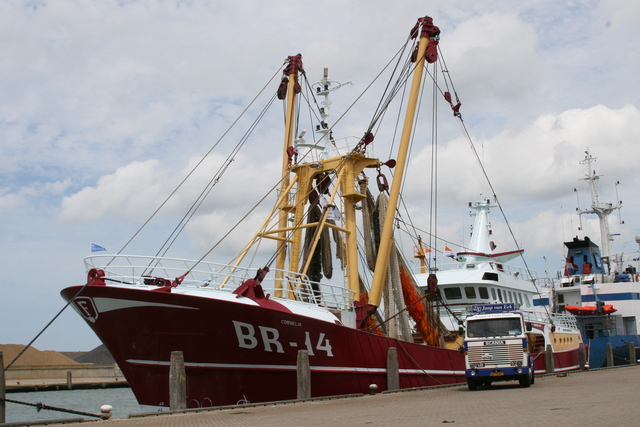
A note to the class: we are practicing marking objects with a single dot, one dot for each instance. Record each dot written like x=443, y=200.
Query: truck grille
x=495, y=354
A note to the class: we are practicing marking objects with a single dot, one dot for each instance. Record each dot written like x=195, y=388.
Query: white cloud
x=11, y=201
x=541, y=161
x=495, y=54
x=132, y=192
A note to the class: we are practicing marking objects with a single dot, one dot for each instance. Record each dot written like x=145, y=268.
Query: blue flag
x=96, y=248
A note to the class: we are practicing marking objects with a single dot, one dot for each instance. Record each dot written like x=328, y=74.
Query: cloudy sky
x=106, y=106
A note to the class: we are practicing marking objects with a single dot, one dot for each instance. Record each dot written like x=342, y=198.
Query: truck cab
x=496, y=346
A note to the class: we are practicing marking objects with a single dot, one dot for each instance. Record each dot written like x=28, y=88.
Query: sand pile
x=33, y=356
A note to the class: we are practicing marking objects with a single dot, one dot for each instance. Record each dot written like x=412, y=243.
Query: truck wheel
x=525, y=380
x=473, y=384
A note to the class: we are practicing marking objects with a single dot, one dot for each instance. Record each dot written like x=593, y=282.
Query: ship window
x=500, y=327
x=507, y=295
x=526, y=298
x=452, y=293
x=470, y=292
x=484, y=292
x=499, y=295
x=493, y=294
x=490, y=276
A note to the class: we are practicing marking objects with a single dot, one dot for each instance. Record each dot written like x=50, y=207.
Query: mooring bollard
x=105, y=412
x=69, y=382
x=393, y=373
x=177, y=382
x=548, y=359
x=2, y=391
x=632, y=353
x=582, y=356
x=609, y=355
x=303, y=371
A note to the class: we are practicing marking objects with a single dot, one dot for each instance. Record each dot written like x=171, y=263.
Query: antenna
x=619, y=203
x=601, y=210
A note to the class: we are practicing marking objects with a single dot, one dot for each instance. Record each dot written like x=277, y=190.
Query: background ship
x=482, y=275
x=600, y=287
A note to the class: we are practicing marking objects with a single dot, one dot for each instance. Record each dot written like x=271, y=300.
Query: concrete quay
x=605, y=396
x=53, y=384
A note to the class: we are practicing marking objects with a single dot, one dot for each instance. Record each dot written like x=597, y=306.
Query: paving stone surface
x=600, y=397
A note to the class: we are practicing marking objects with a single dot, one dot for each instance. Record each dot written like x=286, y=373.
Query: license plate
x=496, y=374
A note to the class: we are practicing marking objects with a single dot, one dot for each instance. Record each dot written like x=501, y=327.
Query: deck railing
x=127, y=270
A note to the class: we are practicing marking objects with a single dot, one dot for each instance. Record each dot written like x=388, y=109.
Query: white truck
x=496, y=346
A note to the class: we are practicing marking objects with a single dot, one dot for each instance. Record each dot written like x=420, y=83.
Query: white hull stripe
x=110, y=304
x=340, y=369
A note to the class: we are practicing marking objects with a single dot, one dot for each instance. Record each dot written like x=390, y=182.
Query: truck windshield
x=494, y=327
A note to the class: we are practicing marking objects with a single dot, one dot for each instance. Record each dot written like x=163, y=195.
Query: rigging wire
x=209, y=187
x=465, y=132
x=197, y=165
x=282, y=245
x=433, y=205
x=148, y=220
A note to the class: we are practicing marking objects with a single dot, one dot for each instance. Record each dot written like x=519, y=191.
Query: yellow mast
x=419, y=253
x=295, y=65
x=379, y=278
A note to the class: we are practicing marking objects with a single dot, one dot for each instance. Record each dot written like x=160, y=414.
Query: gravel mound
x=33, y=356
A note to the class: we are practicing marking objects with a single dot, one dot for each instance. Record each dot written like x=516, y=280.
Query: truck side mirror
x=460, y=330
x=528, y=326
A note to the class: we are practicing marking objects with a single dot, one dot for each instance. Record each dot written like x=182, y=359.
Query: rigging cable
x=196, y=166
x=209, y=187
x=465, y=131
x=148, y=220
x=282, y=245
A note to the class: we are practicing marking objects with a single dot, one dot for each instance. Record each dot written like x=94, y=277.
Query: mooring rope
x=40, y=406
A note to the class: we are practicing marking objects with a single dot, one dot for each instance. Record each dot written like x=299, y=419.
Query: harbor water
x=121, y=399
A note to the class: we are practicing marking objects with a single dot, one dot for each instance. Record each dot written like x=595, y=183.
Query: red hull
x=236, y=351
x=563, y=361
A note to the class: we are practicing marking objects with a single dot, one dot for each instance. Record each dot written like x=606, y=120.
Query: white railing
x=127, y=270
x=565, y=319
x=561, y=319
x=511, y=270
